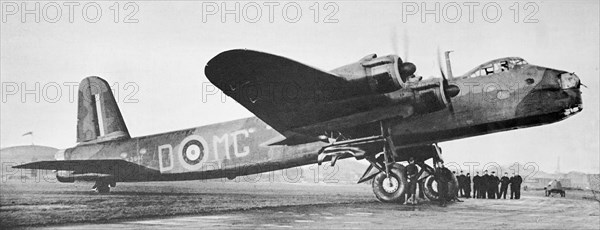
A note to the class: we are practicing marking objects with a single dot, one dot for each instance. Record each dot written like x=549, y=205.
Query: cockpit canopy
x=496, y=66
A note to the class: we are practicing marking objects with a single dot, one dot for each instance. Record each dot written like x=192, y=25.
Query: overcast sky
x=158, y=61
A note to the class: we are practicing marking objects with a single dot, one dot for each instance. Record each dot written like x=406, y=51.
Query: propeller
x=406, y=69
x=449, y=90
x=395, y=40
x=439, y=59
x=395, y=43
x=405, y=45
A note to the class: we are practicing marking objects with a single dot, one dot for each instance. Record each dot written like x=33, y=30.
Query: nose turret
x=569, y=81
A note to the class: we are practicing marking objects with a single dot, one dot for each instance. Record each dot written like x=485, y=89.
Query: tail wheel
x=430, y=188
x=392, y=188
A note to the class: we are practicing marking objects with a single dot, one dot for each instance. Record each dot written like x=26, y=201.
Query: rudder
x=95, y=95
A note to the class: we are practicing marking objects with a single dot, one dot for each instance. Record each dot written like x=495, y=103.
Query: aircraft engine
x=431, y=96
x=376, y=75
x=389, y=75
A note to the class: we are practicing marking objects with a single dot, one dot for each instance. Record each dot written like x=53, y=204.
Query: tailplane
x=98, y=116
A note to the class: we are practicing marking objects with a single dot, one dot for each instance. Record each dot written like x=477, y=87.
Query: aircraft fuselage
x=522, y=97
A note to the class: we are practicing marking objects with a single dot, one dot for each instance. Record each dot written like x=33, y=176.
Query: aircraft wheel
x=102, y=187
x=430, y=188
x=390, y=189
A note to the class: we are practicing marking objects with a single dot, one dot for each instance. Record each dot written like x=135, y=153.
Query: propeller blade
x=440, y=66
x=395, y=41
x=450, y=107
x=445, y=83
x=405, y=45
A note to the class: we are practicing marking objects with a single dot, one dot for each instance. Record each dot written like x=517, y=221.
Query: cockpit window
x=496, y=66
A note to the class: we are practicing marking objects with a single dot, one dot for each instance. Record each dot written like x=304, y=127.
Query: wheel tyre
x=388, y=196
x=103, y=189
x=430, y=191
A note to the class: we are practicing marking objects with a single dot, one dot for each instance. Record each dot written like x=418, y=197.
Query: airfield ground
x=217, y=204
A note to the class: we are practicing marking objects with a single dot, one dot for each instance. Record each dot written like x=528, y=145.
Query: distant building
x=17, y=155
x=594, y=181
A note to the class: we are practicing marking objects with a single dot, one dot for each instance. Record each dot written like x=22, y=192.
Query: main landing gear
x=389, y=180
x=392, y=185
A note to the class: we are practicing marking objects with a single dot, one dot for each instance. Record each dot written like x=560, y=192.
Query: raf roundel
x=192, y=152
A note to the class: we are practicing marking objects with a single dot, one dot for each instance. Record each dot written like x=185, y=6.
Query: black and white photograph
x=308, y=114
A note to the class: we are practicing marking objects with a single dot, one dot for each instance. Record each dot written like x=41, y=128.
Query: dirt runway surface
x=274, y=205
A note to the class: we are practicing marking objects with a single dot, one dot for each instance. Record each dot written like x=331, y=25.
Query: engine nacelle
x=373, y=75
x=429, y=96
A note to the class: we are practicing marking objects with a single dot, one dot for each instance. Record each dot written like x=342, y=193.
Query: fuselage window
x=497, y=67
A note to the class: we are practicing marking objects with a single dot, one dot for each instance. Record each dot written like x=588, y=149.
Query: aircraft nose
x=569, y=81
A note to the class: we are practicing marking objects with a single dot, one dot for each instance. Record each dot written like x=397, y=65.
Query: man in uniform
x=461, y=184
x=443, y=176
x=504, y=181
x=411, y=174
x=476, y=185
x=459, y=180
x=493, y=186
x=515, y=186
x=468, y=185
x=455, y=197
x=485, y=180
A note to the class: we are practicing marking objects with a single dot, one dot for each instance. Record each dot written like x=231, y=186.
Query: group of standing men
x=486, y=186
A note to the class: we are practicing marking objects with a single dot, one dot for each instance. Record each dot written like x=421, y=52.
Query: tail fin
x=98, y=116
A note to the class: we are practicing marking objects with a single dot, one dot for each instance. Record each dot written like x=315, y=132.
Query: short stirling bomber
x=374, y=109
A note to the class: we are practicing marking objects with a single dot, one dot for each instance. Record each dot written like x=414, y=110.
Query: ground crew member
x=493, y=186
x=461, y=184
x=443, y=176
x=458, y=179
x=455, y=197
x=476, y=185
x=504, y=181
x=515, y=186
x=411, y=174
x=485, y=180
x=468, y=185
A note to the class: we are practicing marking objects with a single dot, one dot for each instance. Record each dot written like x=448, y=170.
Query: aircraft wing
x=108, y=166
x=293, y=98
x=274, y=88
